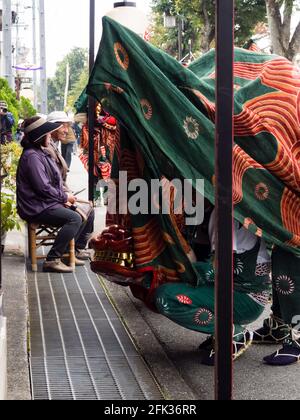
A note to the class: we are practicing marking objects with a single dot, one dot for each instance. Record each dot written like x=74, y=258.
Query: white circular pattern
x=285, y=285
x=198, y=318
x=239, y=267
x=210, y=275
x=191, y=128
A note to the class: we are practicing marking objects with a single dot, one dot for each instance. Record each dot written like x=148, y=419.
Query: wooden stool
x=44, y=235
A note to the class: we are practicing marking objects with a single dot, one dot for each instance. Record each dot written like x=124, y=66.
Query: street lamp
x=127, y=14
x=171, y=21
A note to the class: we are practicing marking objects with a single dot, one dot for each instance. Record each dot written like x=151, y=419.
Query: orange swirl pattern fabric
x=167, y=113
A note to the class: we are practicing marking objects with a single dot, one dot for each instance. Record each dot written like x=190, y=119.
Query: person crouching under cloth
x=194, y=307
x=41, y=197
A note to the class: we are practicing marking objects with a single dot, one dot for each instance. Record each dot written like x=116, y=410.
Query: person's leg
x=69, y=154
x=286, y=280
x=84, y=235
x=274, y=329
x=70, y=223
x=66, y=151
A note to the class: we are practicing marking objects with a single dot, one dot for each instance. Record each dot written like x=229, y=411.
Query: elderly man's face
x=61, y=133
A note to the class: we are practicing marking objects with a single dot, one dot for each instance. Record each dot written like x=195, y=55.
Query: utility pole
x=44, y=96
x=180, y=21
x=67, y=85
x=34, y=54
x=7, y=43
x=92, y=102
x=224, y=198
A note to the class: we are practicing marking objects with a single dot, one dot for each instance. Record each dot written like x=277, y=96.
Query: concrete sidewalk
x=16, y=311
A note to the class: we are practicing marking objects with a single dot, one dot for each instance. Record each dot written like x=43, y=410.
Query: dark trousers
x=72, y=227
x=66, y=151
x=86, y=232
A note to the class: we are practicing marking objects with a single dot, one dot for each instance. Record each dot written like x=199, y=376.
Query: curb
x=3, y=356
x=15, y=307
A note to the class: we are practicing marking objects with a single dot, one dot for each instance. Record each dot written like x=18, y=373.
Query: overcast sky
x=67, y=26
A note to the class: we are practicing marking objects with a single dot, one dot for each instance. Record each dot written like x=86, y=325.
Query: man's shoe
x=78, y=262
x=56, y=266
x=83, y=254
x=288, y=355
x=208, y=344
x=241, y=342
x=273, y=331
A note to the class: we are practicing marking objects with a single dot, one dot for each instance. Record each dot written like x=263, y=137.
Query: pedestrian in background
x=19, y=132
x=77, y=131
x=6, y=123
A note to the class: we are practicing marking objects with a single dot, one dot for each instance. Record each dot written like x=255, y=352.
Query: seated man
x=68, y=140
x=41, y=197
x=56, y=137
x=194, y=307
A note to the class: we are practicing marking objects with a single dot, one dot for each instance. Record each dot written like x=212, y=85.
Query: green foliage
x=9, y=96
x=26, y=110
x=10, y=156
x=78, y=88
x=78, y=61
x=20, y=109
x=199, y=23
x=9, y=217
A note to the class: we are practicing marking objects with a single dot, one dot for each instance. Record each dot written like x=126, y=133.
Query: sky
x=67, y=26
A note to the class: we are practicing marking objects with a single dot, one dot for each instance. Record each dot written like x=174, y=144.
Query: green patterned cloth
x=168, y=112
x=286, y=283
x=194, y=307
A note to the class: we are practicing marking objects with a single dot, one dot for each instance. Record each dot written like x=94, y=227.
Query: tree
x=78, y=88
x=26, y=110
x=9, y=96
x=78, y=60
x=283, y=42
x=20, y=109
x=199, y=17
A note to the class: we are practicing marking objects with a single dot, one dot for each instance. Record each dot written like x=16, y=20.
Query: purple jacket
x=39, y=184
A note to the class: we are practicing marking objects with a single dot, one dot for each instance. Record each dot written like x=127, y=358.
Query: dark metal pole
x=224, y=202
x=91, y=112
x=179, y=38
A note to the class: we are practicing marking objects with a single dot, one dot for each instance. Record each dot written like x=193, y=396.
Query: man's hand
x=72, y=199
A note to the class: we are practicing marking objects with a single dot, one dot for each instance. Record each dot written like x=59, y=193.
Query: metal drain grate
x=79, y=348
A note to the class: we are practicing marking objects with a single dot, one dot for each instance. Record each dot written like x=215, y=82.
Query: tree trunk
x=208, y=32
x=275, y=26
x=294, y=47
x=280, y=28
